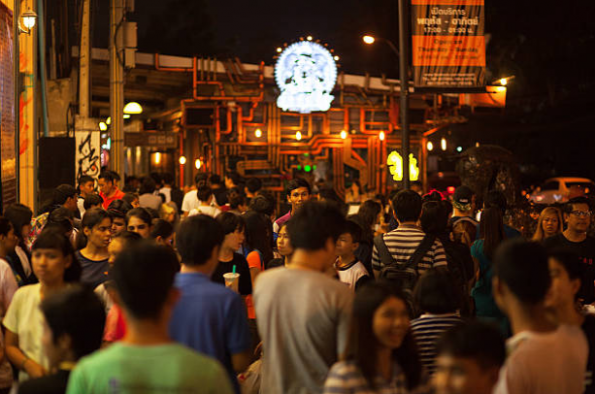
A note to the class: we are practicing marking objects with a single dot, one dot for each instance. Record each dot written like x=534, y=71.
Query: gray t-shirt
x=303, y=318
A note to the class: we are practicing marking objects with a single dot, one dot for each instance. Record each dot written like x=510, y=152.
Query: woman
x=206, y=200
x=549, y=224
x=169, y=212
x=139, y=220
x=353, y=194
x=55, y=265
x=491, y=232
x=259, y=238
x=20, y=217
x=94, y=239
x=381, y=354
x=370, y=213
x=163, y=233
x=284, y=248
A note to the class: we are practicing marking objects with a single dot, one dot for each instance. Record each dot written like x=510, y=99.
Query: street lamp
x=28, y=19
x=369, y=39
x=133, y=108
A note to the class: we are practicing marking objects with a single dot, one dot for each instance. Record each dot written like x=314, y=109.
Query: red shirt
x=107, y=201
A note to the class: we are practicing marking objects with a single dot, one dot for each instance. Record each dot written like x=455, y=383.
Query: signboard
x=87, y=153
x=156, y=139
x=448, y=43
x=394, y=161
x=305, y=73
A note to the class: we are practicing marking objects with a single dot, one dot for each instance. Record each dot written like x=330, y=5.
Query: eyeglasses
x=582, y=214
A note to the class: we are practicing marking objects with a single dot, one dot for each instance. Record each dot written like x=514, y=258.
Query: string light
x=197, y=164
x=298, y=135
x=258, y=133
x=343, y=134
x=443, y=143
x=382, y=136
x=430, y=146
x=182, y=160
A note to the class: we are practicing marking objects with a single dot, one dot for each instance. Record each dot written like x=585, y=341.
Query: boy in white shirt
x=350, y=270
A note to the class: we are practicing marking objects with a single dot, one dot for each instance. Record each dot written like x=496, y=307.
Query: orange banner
x=441, y=51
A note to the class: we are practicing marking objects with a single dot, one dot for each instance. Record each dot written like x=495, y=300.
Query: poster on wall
x=7, y=109
x=448, y=43
x=87, y=153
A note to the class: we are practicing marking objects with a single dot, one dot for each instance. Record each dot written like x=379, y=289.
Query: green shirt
x=160, y=369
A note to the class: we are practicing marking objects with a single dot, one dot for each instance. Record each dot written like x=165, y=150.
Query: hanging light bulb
x=298, y=135
x=182, y=160
x=157, y=158
x=343, y=134
x=258, y=133
x=197, y=164
x=382, y=136
x=430, y=146
x=443, y=143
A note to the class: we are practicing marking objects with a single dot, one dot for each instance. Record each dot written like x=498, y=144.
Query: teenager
x=146, y=357
x=139, y=220
x=298, y=192
x=20, y=216
x=55, y=266
x=93, y=241
x=72, y=328
x=284, y=248
x=86, y=187
x=118, y=210
x=350, y=270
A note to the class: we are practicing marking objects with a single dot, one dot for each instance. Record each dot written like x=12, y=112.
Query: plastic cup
x=232, y=280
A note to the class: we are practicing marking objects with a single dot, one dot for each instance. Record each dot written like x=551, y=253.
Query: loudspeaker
x=56, y=162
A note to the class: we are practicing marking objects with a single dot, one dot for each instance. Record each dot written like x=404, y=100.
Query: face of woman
x=26, y=230
x=49, y=265
x=101, y=234
x=550, y=223
x=283, y=243
x=391, y=323
x=234, y=240
x=136, y=225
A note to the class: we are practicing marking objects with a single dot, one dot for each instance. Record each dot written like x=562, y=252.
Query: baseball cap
x=463, y=197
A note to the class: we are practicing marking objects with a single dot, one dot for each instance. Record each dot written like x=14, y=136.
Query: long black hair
x=362, y=344
x=52, y=239
x=259, y=234
x=491, y=230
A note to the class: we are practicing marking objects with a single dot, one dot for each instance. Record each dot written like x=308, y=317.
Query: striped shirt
x=427, y=330
x=345, y=377
x=402, y=243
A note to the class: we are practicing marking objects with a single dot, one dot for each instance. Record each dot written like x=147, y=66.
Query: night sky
x=548, y=122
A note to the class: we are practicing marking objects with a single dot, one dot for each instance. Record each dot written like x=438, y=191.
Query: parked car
x=561, y=189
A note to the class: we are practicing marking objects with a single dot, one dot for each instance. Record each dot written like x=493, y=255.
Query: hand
x=34, y=370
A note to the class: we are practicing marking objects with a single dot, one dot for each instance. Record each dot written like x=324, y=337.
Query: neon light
x=395, y=166
x=306, y=74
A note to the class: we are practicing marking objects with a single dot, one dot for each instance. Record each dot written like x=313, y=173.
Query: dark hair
x=147, y=185
x=128, y=198
x=497, y=199
x=60, y=219
x=569, y=260
x=362, y=343
x=92, y=199
x=491, y=230
x=201, y=179
x=51, y=239
x=523, y=267
x=369, y=211
x=63, y=193
x=434, y=218
x=140, y=213
x=569, y=206
x=354, y=229
x=19, y=215
x=407, y=206
x=119, y=209
x=77, y=312
x=108, y=176
x=253, y=185
x=259, y=234
x=91, y=218
x=433, y=196
x=475, y=340
x=263, y=203
x=85, y=179
x=128, y=236
x=197, y=237
x=234, y=176
x=168, y=178
x=215, y=179
x=5, y=226
x=231, y=222
x=435, y=293
x=236, y=201
x=313, y=224
x=204, y=193
x=143, y=275
x=115, y=176
x=162, y=228
x=296, y=183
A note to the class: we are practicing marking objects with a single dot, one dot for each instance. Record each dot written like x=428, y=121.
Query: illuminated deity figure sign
x=306, y=74
x=395, y=166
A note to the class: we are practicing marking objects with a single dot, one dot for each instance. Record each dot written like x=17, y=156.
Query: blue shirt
x=210, y=319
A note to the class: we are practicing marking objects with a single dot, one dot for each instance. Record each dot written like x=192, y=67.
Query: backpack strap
x=385, y=256
x=424, y=246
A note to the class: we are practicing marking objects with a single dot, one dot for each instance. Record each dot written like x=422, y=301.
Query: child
x=351, y=271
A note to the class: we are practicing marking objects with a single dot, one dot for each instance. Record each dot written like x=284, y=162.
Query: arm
x=255, y=264
x=19, y=359
x=241, y=361
x=238, y=338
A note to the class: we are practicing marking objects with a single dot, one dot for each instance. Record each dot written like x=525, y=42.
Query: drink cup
x=232, y=280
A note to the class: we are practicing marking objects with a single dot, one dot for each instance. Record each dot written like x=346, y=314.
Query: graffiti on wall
x=88, y=154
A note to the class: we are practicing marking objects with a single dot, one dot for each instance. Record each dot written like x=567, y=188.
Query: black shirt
x=586, y=252
x=589, y=330
x=52, y=384
x=245, y=285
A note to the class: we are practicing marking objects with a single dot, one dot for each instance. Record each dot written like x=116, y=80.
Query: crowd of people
x=220, y=290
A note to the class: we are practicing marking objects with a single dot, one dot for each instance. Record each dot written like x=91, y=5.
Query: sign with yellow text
x=448, y=43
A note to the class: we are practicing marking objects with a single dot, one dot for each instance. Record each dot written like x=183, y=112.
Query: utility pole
x=117, y=85
x=404, y=77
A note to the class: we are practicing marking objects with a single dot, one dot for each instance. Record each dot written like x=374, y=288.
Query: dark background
x=548, y=46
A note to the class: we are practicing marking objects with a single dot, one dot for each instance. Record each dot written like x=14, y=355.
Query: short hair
x=407, y=206
x=63, y=193
x=60, y=219
x=116, y=177
x=523, y=267
x=143, y=275
x=263, y=203
x=147, y=186
x=119, y=209
x=475, y=340
x=204, y=193
x=129, y=198
x=495, y=198
x=435, y=293
x=313, y=224
x=168, y=178
x=215, y=179
x=569, y=260
x=201, y=179
x=19, y=215
x=234, y=176
x=230, y=222
x=5, y=226
x=236, y=200
x=196, y=238
x=162, y=228
x=108, y=176
x=253, y=185
x=128, y=237
x=296, y=183
x=140, y=213
x=354, y=229
x=91, y=200
x=569, y=206
x=52, y=239
x=77, y=312
x=85, y=179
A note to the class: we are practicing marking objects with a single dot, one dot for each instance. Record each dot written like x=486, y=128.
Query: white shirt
x=191, y=201
x=205, y=210
x=166, y=191
x=350, y=275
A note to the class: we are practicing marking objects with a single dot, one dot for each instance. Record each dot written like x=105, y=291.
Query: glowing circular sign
x=306, y=74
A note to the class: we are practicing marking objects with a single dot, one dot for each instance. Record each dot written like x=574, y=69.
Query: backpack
x=405, y=276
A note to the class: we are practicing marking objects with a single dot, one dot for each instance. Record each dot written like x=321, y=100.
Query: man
x=146, y=360
x=219, y=190
x=302, y=313
x=577, y=215
x=403, y=242
x=253, y=186
x=298, y=192
x=543, y=358
x=86, y=188
x=108, y=186
x=191, y=201
x=469, y=359
x=209, y=318
x=232, y=179
x=462, y=221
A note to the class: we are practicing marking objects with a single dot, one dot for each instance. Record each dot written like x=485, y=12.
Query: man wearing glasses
x=577, y=216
